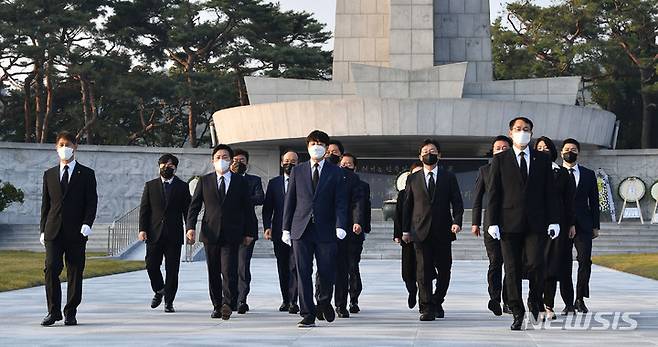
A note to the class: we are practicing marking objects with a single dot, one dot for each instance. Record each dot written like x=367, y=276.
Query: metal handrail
x=123, y=232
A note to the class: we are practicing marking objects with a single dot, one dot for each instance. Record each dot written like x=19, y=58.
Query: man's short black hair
x=224, y=147
x=551, y=146
x=429, y=142
x=353, y=158
x=524, y=119
x=165, y=158
x=339, y=145
x=502, y=138
x=317, y=136
x=572, y=141
x=240, y=151
x=66, y=136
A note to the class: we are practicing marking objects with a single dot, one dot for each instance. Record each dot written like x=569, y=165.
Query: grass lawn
x=645, y=265
x=21, y=269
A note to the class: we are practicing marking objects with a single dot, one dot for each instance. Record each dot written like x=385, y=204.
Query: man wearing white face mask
x=68, y=210
x=522, y=207
x=314, y=217
x=228, y=221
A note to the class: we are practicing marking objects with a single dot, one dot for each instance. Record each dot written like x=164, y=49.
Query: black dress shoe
x=342, y=312
x=51, y=318
x=439, y=312
x=70, y=320
x=567, y=310
x=329, y=314
x=216, y=313
x=306, y=322
x=534, y=310
x=411, y=300
x=506, y=309
x=226, y=312
x=157, y=299
x=243, y=308
x=169, y=308
x=427, y=317
x=518, y=321
x=354, y=308
x=494, y=307
x=284, y=307
x=319, y=313
x=580, y=306
x=294, y=309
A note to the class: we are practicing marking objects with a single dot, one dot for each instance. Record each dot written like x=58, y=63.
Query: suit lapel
x=231, y=185
x=54, y=181
x=423, y=186
x=533, y=164
x=73, y=180
x=514, y=166
x=215, y=178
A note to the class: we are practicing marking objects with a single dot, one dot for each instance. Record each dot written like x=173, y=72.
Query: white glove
x=285, y=237
x=42, y=239
x=494, y=231
x=556, y=231
x=85, y=230
x=340, y=233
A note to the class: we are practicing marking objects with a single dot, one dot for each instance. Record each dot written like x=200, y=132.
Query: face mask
x=287, y=168
x=334, y=159
x=570, y=157
x=316, y=152
x=242, y=168
x=65, y=153
x=348, y=168
x=221, y=165
x=167, y=172
x=430, y=159
x=521, y=137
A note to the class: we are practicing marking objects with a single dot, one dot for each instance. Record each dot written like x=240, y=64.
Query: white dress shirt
x=61, y=169
x=319, y=168
x=227, y=180
x=435, y=172
x=576, y=172
x=527, y=157
x=286, y=180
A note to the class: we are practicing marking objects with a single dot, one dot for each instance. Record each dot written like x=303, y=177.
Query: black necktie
x=316, y=176
x=285, y=186
x=523, y=167
x=64, y=183
x=573, y=177
x=167, y=190
x=431, y=185
x=222, y=189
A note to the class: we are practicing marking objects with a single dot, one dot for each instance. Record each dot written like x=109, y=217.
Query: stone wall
x=620, y=164
x=120, y=171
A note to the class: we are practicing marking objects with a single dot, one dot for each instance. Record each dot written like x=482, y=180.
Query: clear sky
x=325, y=10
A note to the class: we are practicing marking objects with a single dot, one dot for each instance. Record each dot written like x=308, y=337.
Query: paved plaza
x=115, y=311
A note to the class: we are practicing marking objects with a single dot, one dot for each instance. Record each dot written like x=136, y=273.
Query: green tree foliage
x=8, y=195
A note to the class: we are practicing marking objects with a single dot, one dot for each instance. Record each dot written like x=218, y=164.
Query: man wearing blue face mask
x=68, y=210
x=522, y=208
x=314, y=218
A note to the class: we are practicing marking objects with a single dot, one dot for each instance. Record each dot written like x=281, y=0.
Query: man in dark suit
x=433, y=212
x=361, y=215
x=314, y=217
x=587, y=221
x=228, y=221
x=522, y=207
x=240, y=286
x=277, y=188
x=163, y=209
x=495, y=272
x=345, y=248
x=68, y=211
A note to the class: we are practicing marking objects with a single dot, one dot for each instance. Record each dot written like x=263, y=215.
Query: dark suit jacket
x=273, y=206
x=162, y=219
x=587, y=202
x=422, y=216
x=399, y=213
x=481, y=185
x=226, y=222
x=256, y=192
x=565, y=191
x=365, y=207
x=328, y=205
x=66, y=212
x=355, y=203
x=516, y=207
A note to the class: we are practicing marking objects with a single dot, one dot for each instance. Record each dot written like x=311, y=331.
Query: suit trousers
x=409, y=267
x=241, y=281
x=433, y=257
x=495, y=271
x=285, y=264
x=222, y=261
x=513, y=246
x=305, y=249
x=171, y=251
x=348, y=275
x=59, y=251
